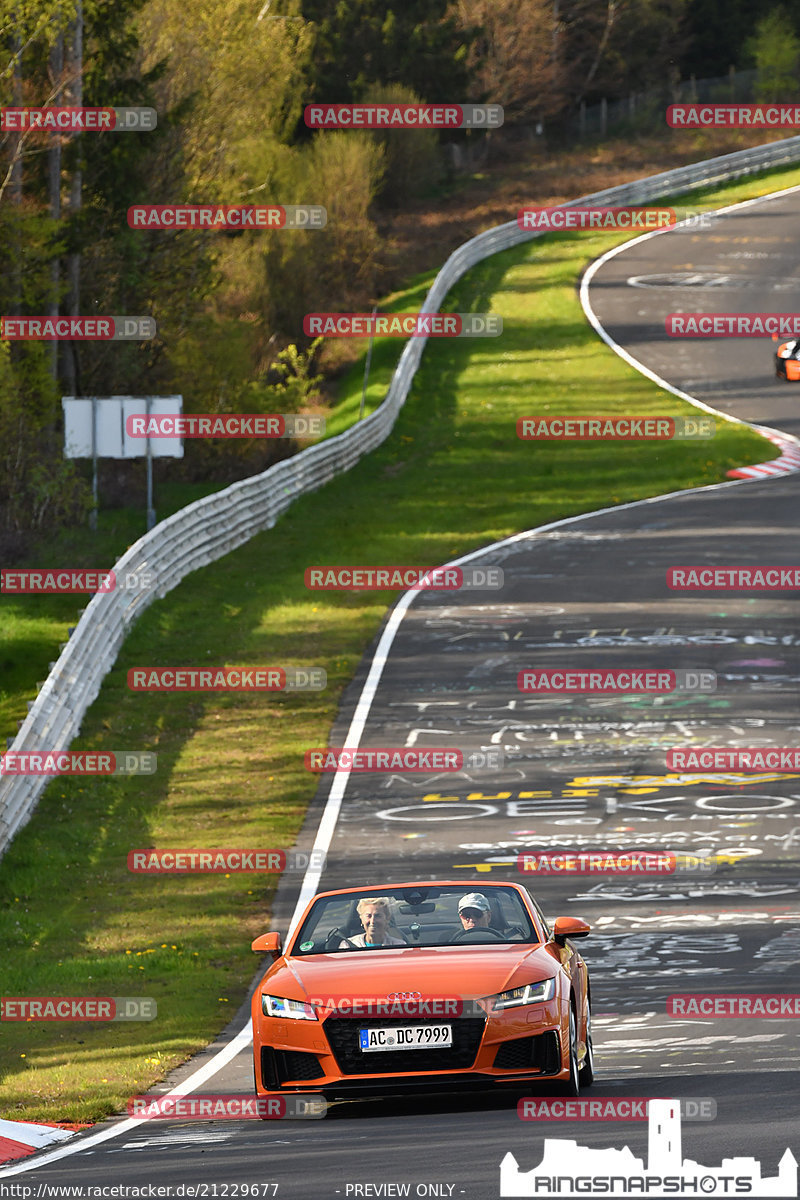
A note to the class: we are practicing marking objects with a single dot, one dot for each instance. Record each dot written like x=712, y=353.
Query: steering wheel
x=468, y=935
x=342, y=937
x=516, y=929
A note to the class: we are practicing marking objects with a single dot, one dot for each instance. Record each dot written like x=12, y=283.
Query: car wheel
x=586, y=1073
x=571, y=1086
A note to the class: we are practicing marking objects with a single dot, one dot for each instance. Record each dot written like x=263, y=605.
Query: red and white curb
x=18, y=1138
x=787, y=464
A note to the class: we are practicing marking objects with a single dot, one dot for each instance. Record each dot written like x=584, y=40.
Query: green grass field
x=452, y=477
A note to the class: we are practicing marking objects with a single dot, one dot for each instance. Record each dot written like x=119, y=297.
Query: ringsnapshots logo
x=614, y=429
x=569, y=1169
x=77, y=329
x=558, y=218
x=700, y=578
x=740, y=760
x=624, y=1108
x=623, y=681
x=403, y=758
x=227, y=679
x=405, y=578
x=78, y=1008
x=78, y=762
x=239, y=217
x=232, y=1107
x=613, y=862
x=743, y=325
x=69, y=581
x=403, y=116
x=717, y=1004
x=78, y=119
x=224, y=425
x=219, y=861
x=409, y=324
x=733, y=116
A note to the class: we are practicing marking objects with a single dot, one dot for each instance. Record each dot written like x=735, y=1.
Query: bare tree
x=515, y=54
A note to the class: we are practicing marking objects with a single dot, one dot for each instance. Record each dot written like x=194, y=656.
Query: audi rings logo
x=404, y=996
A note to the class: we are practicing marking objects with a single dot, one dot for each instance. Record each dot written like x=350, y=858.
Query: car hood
x=467, y=972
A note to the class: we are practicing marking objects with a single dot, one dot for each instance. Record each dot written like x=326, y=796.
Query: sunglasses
x=471, y=914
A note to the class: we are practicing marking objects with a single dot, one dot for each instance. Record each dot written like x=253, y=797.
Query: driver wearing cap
x=474, y=910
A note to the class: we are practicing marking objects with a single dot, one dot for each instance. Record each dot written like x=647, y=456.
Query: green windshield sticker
x=306, y=945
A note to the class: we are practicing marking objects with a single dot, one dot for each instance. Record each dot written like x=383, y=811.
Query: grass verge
x=453, y=476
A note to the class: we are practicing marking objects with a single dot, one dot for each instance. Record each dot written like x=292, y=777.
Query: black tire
x=586, y=1073
x=571, y=1086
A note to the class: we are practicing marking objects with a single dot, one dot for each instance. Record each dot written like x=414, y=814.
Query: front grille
x=342, y=1033
x=539, y=1052
x=279, y=1065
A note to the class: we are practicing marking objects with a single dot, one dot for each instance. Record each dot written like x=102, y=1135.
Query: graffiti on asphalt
x=710, y=889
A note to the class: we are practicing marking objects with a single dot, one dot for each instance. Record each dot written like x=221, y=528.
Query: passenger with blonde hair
x=375, y=913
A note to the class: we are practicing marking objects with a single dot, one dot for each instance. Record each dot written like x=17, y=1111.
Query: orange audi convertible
x=418, y=986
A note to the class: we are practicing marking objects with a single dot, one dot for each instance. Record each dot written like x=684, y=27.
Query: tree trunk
x=15, y=188
x=54, y=190
x=75, y=97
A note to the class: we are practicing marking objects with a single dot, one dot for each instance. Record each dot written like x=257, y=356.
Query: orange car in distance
x=787, y=359
x=393, y=988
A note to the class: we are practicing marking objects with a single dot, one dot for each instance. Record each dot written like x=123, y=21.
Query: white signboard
x=108, y=415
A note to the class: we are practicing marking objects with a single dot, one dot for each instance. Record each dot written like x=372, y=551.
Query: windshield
x=422, y=916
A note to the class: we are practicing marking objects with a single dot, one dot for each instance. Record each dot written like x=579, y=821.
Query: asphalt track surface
x=586, y=772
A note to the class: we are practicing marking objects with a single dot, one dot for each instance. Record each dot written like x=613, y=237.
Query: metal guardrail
x=210, y=528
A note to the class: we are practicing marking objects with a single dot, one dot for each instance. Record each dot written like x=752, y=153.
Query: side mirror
x=569, y=927
x=268, y=943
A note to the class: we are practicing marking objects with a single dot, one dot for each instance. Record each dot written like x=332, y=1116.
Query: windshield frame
x=534, y=927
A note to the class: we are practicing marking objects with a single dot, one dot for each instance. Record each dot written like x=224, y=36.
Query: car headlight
x=531, y=993
x=295, y=1010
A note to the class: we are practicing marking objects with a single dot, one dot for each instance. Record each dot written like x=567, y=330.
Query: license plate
x=405, y=1037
